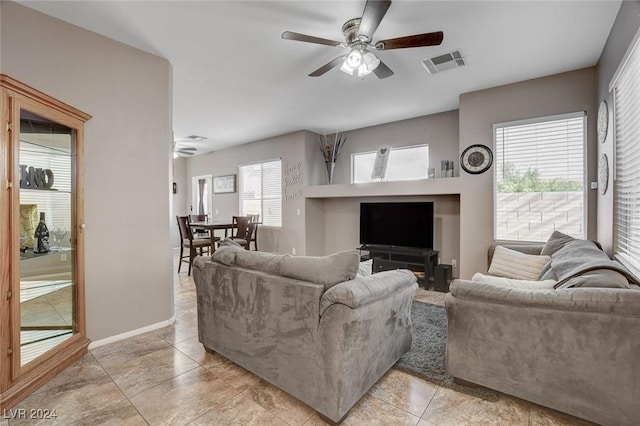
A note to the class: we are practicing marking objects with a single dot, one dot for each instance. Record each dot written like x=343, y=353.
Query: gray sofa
x=305, y=324
x=573, y=349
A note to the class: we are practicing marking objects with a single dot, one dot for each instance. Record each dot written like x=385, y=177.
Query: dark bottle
x=42, y=236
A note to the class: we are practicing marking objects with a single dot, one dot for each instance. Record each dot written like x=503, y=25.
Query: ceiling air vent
x=443, y=62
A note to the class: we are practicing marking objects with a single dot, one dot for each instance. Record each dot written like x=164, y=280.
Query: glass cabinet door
x=48, y=283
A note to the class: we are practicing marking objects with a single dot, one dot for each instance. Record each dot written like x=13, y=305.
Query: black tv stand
x=421, y=260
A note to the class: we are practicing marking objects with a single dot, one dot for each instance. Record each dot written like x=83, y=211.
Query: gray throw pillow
x=226, y=254
x=602, y=278
x=556, y=241
x=326, y=270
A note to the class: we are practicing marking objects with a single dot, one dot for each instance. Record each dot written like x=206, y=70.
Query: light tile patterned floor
x=166, y=378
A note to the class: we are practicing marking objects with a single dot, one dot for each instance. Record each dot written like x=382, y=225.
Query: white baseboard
x=131, y=333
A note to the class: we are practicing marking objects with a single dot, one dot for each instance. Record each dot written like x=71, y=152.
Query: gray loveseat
x=573, y=349
x=305, y=324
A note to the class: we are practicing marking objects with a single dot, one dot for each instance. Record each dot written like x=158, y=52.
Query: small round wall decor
x=476, y=159
x=603, y=174
x=603, y=121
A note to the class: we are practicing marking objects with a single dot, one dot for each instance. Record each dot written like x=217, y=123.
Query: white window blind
x=56, y=204
x=405, y=163
x=260, y=186
x=539, y=178
x=627, y=162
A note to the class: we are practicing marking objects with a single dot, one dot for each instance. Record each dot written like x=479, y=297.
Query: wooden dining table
x=212, y=225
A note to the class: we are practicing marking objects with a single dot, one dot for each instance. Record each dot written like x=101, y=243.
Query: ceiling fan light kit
x=358, y=34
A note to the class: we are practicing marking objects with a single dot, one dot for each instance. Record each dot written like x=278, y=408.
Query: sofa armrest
x=522, y=248
x=596, y=300
x=365, y=290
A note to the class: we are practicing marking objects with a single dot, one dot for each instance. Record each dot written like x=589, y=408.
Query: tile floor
x=165, y=377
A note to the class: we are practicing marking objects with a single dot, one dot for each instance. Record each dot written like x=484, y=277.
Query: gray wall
x=181, y=200
x=624, y=29
x=127, y=159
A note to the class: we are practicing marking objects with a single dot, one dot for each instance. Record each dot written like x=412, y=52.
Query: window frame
x=620, y=74
x=241, y=185
x=393, y=148
x=585, y=170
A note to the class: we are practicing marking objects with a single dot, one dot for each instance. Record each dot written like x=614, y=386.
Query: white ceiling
x=237, y=81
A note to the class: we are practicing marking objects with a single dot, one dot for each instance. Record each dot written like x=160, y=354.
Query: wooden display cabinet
x=42, y=315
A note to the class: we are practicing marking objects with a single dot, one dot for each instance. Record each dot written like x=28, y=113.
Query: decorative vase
x=330, y=167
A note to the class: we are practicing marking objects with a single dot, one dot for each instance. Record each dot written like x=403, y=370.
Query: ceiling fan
x=358, y=33
x=184, y=150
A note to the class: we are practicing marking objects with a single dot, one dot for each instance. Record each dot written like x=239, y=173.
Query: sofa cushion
x=556, y=241
x=259, y=261
x=513, y=283
x=326, y=270
x=513, y=264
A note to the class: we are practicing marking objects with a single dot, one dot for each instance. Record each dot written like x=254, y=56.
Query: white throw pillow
x=364, y=270
x=510, y=282
x=513, y=264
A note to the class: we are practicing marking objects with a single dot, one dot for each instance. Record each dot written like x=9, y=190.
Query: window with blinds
x=260, y=187
x=627, y=162
x=539, y=184
x=405, y=163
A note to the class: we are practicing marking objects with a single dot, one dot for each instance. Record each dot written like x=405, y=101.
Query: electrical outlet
x=298, y=212
x=454, y=263
x=63, y=257
x=217, y=211
x=293, y=250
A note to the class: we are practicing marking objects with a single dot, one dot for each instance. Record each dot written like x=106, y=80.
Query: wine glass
x=58, y=235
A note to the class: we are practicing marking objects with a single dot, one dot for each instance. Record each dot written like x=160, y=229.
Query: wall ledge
x=438, y=186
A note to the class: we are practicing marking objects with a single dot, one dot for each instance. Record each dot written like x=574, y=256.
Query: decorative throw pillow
x=510, y=282
x=326, y=270
x=226, y=254
x=365, y=268
x=556, y=241
x=513, y=264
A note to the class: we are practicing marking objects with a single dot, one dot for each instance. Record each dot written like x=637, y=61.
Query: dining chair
x=243, y=230
x=255, y=219
x=200, y=233
x=187, y=240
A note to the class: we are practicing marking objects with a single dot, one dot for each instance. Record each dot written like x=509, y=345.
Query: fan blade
x=382, y=71
x=374, y=11
x=417, y=40
x=185, y=152
x=187, y=148
x=328, y=66
x=288, y=35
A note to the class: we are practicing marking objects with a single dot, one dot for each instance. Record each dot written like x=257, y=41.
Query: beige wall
x=127, y=159
x=624, y=29
x=556, y=94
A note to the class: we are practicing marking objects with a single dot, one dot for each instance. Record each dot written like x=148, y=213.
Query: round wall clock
x=603, y=174
x=476, y=159
x=603, y=121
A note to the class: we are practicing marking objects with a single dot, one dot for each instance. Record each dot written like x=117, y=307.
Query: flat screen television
x=397, y=224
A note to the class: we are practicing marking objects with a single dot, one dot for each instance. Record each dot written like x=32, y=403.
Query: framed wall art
x=224, y=184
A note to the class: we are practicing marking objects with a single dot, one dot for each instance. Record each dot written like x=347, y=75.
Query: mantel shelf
x=438, y=186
